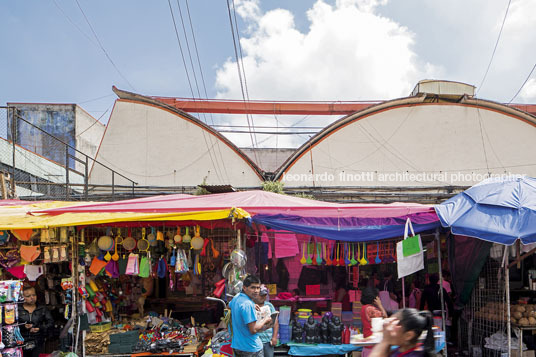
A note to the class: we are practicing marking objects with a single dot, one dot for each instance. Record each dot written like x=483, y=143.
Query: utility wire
x=180, y=48
x=495, y=48
x=253, y=141
x=195, y=80
x=243, y=69
x=216, y=168
x=525, y=82
x=102, y=47
x=74, y=24
x=198, y=60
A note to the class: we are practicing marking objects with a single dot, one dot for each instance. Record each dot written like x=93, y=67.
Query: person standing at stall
x=36, y=323
x=268, y=336
x=245, y=338
x=372, y=307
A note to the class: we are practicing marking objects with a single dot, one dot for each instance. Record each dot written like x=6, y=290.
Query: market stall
x=499, y=211
x=342, y=233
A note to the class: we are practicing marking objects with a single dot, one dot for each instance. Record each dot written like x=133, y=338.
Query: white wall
x=154, y=146
x=422, y=145
x=89, y=134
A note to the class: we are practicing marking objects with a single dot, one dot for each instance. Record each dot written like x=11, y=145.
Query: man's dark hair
x=434, y=279
x=368, y=295
x=251, y=279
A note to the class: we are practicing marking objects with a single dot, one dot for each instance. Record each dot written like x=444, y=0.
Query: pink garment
x=446, y=286
x=266, y=239
x=286, y=245
x=17, y=271
x=133, y=265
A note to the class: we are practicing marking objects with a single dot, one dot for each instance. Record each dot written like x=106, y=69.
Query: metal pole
x=86, y=180
x=507, y=286
x=113, y=184
x=13, y=137
x=133, y=195
x=67, y=172
x=403, y=293
x=438, y=241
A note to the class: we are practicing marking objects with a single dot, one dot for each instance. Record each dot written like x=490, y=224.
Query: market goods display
x=520, y=314
x=493, y=311
x=523, y=315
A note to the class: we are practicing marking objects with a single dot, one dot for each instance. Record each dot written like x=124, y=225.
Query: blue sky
x=294, y=50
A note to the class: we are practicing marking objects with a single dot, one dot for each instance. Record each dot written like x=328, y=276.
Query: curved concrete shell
x=155, y=144
x=413, y=142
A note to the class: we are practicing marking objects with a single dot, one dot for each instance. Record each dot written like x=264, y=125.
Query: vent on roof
x=443, y=89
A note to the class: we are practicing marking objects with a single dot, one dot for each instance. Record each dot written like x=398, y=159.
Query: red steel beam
x=529, y=108
x=290, y=108
x=265, y=107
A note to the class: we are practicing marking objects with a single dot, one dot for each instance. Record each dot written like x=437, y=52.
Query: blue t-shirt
x=266, y=335
x=243, y=313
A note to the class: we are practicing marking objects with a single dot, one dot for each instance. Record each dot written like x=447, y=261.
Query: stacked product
x=285, y=331
x=10, y=336
x=356, y=312
x=123, y=342
x=336, y=309
x=303, y=315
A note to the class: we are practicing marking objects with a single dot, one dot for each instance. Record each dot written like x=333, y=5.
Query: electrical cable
x=253, y=141
x=495, y=48
x=102, y=47
x=525, y=82
x=190, y=85
x=95, y=122
x=74, y=24
x=196, y=83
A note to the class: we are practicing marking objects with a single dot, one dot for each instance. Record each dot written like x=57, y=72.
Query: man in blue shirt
x=245, y=341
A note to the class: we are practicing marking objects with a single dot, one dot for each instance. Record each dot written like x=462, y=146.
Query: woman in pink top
x=372, y=307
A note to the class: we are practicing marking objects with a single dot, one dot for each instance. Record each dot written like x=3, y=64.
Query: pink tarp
x=254, y=202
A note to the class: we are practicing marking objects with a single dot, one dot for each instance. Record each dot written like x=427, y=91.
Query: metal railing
x=48, y=167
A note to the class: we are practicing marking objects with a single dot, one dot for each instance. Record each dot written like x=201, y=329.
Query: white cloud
x=349, y=52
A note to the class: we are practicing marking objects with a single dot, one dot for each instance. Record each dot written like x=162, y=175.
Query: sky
x=74, y=51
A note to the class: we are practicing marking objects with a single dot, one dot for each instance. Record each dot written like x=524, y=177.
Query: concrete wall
x=56, y=119
x=420, y=145
x=89, y=132
x=157, y=147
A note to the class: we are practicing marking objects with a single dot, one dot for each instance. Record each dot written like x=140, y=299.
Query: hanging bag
x=409, y=253
x=387, y=303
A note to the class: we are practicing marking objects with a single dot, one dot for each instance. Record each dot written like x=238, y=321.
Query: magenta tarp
x=254, y=202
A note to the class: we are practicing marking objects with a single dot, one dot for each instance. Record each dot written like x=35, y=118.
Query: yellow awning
x=20, y=219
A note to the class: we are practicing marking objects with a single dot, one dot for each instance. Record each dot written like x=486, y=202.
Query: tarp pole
x=403, y=294
x=507, y=285
x=438, y=242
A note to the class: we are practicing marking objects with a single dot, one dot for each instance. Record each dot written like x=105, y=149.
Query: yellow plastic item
x=109, y=307
x=100, y=327
x=93, y=286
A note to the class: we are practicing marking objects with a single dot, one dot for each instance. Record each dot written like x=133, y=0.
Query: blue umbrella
x=496, y=210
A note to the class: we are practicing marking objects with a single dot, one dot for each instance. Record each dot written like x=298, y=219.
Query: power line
x=525, y=82
x=495, y=48
x=180, y=48
x=73, y=23
x=195, y=77
x=216, y=168
x=249, y=121
x=102, y=47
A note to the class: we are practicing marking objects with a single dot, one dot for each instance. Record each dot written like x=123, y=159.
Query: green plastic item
x=411, y=245
x=145, y=267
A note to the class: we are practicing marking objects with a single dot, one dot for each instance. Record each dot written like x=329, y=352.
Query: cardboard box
x=527, y=353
